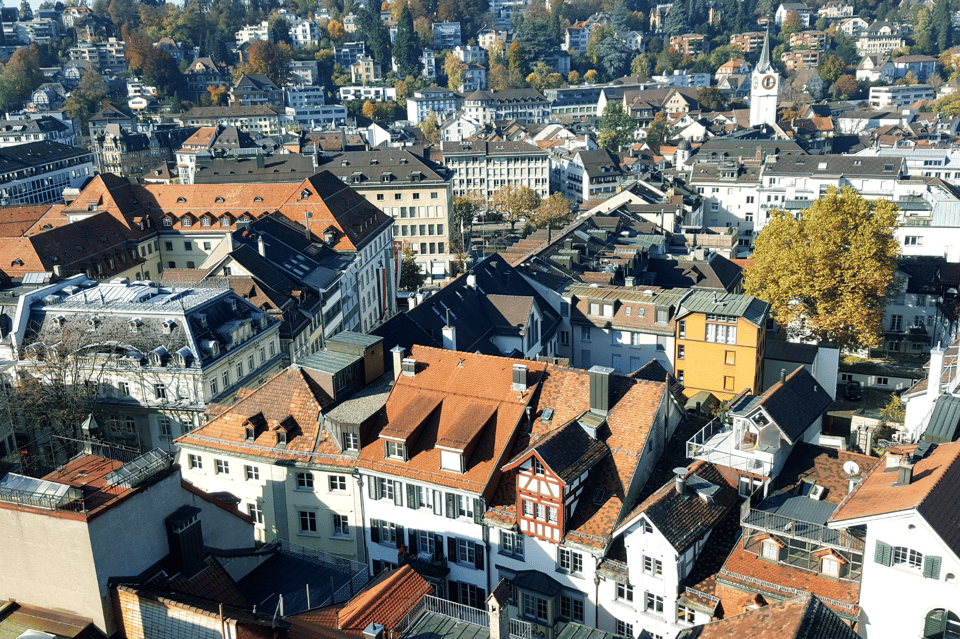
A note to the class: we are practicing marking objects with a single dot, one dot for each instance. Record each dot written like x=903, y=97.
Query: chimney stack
x=681, y=479
x=261, y=247
x=398, y=355
x=783, y=375
x=449, y=335
x=600, y=389
x=498, y=612
x=409, y=366
x=936, y=371
x=519, y=377
x=905, y=471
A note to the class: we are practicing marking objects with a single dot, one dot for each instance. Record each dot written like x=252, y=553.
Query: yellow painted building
x=720, y=339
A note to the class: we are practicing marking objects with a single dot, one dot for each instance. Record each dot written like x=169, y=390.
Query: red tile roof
x=386, y=602
x=455, y=382
x=803, y=617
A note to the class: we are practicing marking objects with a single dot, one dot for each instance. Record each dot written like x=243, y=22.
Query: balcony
x=765, y=517
x=718, y=444
x=426, y=565
x=430, y=613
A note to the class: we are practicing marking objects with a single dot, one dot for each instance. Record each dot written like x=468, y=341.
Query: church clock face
x=769, y=82
x=756, y=82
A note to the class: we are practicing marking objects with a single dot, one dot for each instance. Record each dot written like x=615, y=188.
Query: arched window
x=941, y=623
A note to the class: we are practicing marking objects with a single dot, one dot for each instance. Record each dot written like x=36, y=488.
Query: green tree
x=161, y=70
x=616, y=127
x=640, y=66
x=514, y=202
x=279, y=30
x=84, y=101
x=573, y=77
x=21, y=76
x=614, y=55
x=828, y=272
x=792, y=23
x=677, y=22
x=376, y=35
x=411, y=276
x=465, y=208
x=453, y=69
x=619, y=16
x=712, y=99
x=600, y=33
x=590, y=76
x=554, y=212
x=659, y=130
x=831, y=68
x=948, y=105
x=406, y=49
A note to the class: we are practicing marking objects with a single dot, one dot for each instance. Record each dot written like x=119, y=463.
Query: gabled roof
x=795, y=403
x=385, y=602
x=684, y=519
x=803, y=617
x=932, y=493
x=568, y=452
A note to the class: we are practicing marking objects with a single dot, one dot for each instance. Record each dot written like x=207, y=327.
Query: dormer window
x=135, y=324
x=258, y=199
x=181, y=200
x=186, y=221
x=249, y=433
x=770, y=548
x=396, y=450
x=203, y=319
x=168, y=326
x=304, y=194
x=281, y=439
x=93, y=322
x=219, y=199
x=206, y=221
x=537, y=467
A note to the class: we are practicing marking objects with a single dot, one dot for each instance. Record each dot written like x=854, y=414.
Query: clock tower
x=764, y=87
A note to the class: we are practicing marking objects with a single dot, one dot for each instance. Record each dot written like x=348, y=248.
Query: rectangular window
x=226, y=379
x=681, y=351
x=164, y=423
x=883, y=381
x=652, y=566
x=308, y=521
x=351, y=441
x=338, y=483
x=535, y=607
x=304, y=481
x=124, y=388
x=585, y=333
x=571, y=608
x=729, y=383
x=466, y=551
x=159, y=391
x=730, y=358
x=570, y=561
x=222, y=466
x=896, y=322
x=341, y=526
x=239, y=371
x=624, y=629
x=682, y=329
x=662, y=316
x=252, y=473
x=256, y=514
x=469, y=595
x=686, y=614
x=653, y=603
x=624, y=592
x=396, y=450
x=511, y=544
x=194, y=462
x=188, y=246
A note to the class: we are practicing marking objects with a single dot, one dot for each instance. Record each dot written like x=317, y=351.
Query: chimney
x=498, y=612
x=905, y=471
x=600, y=389
x=449, y=335
x=681, y=479
x=852, y=482
x=261, y=247
x=373, y=631
x=398, y=355
x=185, y=538
x=519, y=377
x=409, y=366
x=936, y=371
x=783, y=375
x=629, y=280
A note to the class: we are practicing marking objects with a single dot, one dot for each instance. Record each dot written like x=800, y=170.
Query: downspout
x=487, y=565
x=361, y=543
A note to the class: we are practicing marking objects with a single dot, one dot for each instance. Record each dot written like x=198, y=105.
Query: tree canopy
x=514, y=202
x=411, y=276
x=827, y=273
x=616, y=127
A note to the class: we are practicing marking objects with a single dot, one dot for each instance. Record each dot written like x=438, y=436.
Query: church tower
x=764, y=87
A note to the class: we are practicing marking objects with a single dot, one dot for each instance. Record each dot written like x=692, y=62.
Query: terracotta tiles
x=289, y=402
x=462, y=381
x=801, y=617
x=386, y=602
x=822, y=466
x=932, y=492
x=212, y=582
x=746, y=570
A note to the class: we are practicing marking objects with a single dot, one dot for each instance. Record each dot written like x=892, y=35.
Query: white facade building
x=486, y=167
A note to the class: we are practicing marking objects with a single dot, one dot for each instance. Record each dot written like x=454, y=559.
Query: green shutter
x=372, y=488
x=401, y=537
x=397, y=493
x=931, y=567
x=412, y=501
x=478, y=510
x=375, y=531
x=884, y=554
x=451, y=506
x=935, y=623
x=412, y=541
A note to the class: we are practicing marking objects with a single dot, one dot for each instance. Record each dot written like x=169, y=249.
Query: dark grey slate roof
x=796, y=403
x=568, y=451
x=798, y=507
x=790, y=352
x=944, y=424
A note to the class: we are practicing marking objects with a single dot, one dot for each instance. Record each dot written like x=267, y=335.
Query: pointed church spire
x=763, y=64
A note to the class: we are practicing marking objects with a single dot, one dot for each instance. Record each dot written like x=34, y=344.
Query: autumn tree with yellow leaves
x=828, y=272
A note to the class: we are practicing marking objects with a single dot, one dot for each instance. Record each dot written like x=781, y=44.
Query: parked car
x=854, y=391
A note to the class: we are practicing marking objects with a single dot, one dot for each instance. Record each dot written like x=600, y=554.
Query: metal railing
x=699, y=448
x=786, y=589
x=334, y=561
x=816, y=533
x=466, y=614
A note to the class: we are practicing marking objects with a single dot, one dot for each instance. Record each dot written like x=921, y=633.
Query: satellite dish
x=851, y=467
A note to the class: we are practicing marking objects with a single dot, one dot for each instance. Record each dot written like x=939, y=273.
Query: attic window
x=167, y=221
x=219, y=199
x=887, y=167
x=17, y=262
x=181, y=200
x=224, y=221
x=281, y=439
x=857, y=162
x=304, y=194
x=168, y=326
x=249, y=433
x=822, y=166
x=135, y=324
x=258, y=199
x=206, y=221
x=186, y=222
x=93, y=322
x=600, y=496
x=203, y=319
